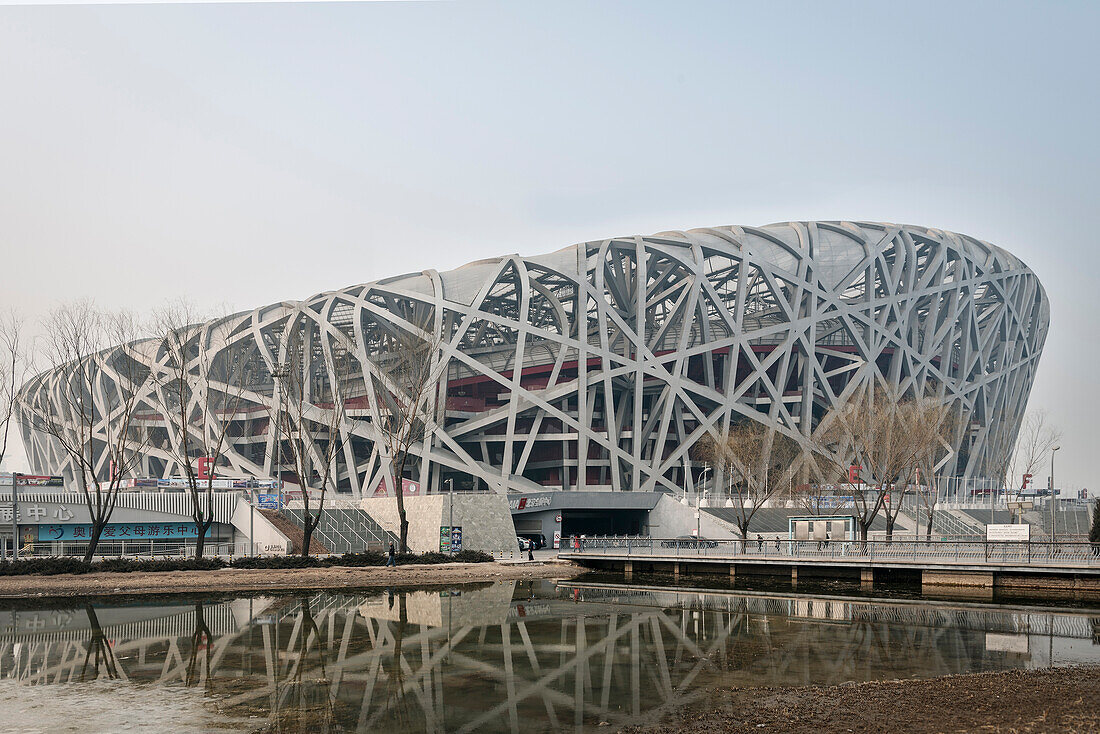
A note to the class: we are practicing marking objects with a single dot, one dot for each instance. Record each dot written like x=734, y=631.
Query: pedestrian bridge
x=1030, y=565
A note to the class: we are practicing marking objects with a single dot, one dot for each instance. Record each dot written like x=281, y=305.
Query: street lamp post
x=698, y=504
x=1053, y=501
x=451, y=510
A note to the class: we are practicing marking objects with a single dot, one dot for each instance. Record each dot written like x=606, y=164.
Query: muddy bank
x=247, y=580
x=1057, y=700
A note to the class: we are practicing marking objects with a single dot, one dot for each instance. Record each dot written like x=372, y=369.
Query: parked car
x=524, y=543
x=538, y=539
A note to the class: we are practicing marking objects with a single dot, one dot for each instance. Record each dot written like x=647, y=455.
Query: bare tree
x=408, y=378
x=200, y=384
x=13, y=373
x=871, y=437
x=1036, y=438
x=310, y=413
x=760, y=462
x=926, y=425
x=90, y=403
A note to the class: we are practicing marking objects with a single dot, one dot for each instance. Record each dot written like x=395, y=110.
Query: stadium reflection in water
x=507, y=657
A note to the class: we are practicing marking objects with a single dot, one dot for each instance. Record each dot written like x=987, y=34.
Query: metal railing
x=132, y=549
x=1036, y=553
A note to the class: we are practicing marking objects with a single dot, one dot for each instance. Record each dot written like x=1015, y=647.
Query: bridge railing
x=1036, y=553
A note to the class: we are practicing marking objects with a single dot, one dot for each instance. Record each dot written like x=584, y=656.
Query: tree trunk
x=889, y=528
x=203, y=524
x=93, y=541
x=928, y=532
x=398, y=481
x=307, y=534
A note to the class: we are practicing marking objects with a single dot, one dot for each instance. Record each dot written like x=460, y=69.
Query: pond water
x=504, y=657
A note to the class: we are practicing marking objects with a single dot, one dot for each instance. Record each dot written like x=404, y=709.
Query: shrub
x=57, y=565
x=369, y=558
x=472, y=556
x=53, y=566
x=276, y=562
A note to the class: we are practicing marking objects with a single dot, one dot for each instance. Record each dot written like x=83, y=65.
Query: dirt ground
x=245, y=580
x=1018, y=701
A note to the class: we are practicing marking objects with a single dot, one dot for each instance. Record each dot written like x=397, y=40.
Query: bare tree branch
x=760, y=463
x=1036, y=438
x=409, y=372
x=199, y=383
x=14, y=369
x=310, y=414
x=91, y=408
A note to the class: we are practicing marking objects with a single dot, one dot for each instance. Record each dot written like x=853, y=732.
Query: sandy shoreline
x=1047, y=700
x=251, y=580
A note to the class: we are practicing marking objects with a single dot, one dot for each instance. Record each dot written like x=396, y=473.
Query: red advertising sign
x=409, y=488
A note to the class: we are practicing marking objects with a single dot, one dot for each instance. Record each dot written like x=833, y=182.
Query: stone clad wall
x=485, y=520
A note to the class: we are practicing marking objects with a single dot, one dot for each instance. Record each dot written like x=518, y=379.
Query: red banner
x=409, y=488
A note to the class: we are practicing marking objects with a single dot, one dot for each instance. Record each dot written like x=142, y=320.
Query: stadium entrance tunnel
x=603, y=522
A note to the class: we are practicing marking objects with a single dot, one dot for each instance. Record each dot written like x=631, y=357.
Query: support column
x=866, y=577
x=676, y=570
x=733, y=571
x=628, y=570
x=794, y=575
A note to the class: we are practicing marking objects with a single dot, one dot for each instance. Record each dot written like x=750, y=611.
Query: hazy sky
x=243, y=154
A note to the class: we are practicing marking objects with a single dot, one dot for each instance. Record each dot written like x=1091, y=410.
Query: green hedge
x=54, y=566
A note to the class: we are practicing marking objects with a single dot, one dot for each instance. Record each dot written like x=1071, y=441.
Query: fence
x=132, y=549
x=1072, y=553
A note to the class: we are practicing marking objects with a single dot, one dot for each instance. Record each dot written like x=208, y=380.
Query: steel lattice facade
x=600, y=365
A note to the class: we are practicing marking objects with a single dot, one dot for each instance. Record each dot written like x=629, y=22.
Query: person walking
x=530, y=551
x=391, y=559
x=759, y=542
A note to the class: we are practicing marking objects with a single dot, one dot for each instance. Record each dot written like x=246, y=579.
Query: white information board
x=1020, y=531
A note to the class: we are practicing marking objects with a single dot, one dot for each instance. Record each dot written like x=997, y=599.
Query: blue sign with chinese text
x=122, y=531
x=267, y=501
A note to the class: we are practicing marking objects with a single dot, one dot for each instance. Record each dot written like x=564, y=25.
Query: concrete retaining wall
x=485, y=520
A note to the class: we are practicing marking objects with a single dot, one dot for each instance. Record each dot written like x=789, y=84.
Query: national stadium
x=597, y=367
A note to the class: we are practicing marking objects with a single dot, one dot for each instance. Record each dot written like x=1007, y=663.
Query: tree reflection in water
x=198, y=664
x=303, y=700
x=498, y=658
x=99, y=660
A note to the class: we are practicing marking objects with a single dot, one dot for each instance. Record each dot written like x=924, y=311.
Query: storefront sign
x=36, y=512
x=121, y=531
x=456, y=539
x=444, y=538
x=528, y=503
x=29, y=480
x=184, y=483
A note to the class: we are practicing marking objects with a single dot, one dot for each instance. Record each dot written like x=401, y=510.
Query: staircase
x=345, y=529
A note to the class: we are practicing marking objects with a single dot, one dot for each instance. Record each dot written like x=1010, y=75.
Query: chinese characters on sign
x=35, y=513
x=267, y=501
x=122, y=531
